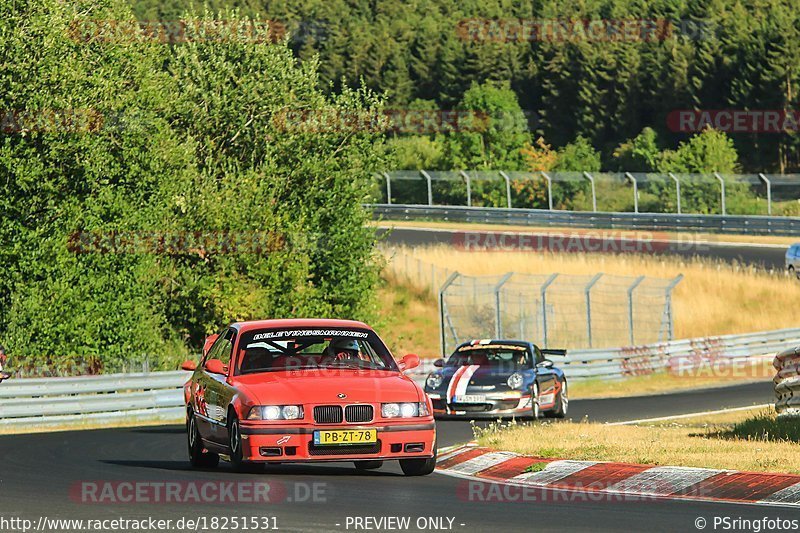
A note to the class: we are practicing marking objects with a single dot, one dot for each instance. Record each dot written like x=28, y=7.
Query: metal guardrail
x=735, y=224
x=787, y=382
x=91, y=399
x=128, y=398
x=724, y=354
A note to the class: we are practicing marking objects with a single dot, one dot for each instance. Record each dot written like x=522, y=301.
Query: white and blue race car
x=498, y=378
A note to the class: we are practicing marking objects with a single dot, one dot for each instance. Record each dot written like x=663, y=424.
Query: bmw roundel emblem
x=342, y=395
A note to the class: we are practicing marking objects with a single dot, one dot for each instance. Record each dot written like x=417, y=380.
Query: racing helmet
x=343, y=349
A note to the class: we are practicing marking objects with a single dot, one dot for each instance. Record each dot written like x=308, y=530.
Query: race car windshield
x=270, y=350
x=491, y=357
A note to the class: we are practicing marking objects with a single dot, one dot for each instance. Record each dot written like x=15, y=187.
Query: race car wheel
x=535, y=401
x=562, y=402
x=197, y=457
x=368, y=465
x=419, y=467
x=235, y=441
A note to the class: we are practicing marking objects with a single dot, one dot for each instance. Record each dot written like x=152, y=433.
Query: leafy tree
x=494, y=132
x=578, y=156
x=640, y=154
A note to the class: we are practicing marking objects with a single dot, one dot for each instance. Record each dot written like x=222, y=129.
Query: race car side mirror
x=409, y=361
x=215, y=366
x=191, y=366
x=210, y=340
x=547, y=363
x=439, y=363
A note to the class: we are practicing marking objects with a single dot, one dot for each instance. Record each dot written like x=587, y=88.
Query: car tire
x=198, y=458
x=562, y=402
x=235, y=442
x=419, y=467
x=794, y=272
x=368, y=465
x=535, y=401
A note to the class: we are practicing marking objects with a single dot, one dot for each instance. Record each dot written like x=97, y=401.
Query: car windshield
x=271, y=350
x=511, y=357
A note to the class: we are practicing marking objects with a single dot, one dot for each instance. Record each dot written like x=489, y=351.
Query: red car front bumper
x=270, y=443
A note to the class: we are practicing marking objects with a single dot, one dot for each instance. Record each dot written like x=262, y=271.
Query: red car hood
x=319, y=386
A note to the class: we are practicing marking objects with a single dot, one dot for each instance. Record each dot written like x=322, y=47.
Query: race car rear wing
x=554, y=352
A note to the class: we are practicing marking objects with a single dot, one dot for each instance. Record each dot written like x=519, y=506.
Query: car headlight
x=404, y=410
x=434, y=381
x=276, y=412
x=515, y=380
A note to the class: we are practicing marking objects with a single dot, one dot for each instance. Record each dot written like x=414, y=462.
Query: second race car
x=498, y=378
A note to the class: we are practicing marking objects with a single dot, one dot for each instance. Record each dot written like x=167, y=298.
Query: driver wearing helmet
x=343, y=350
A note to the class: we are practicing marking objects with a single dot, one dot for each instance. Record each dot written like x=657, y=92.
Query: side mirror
x=409, y=361
x=439, y=363
x=547, y=363
x=210, y=340
x=215, y=366
x=191, y=366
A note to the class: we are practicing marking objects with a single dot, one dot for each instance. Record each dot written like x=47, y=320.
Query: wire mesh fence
x=639, y=192
x=562, y=310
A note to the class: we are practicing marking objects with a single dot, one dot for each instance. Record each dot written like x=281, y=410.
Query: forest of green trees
x=718, y=54
x=128, y=164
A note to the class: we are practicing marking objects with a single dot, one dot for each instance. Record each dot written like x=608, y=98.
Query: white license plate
x=471, y=398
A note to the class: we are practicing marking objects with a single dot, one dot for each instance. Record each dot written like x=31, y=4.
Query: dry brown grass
x=408, y=320
x=714, y=298
x=708, y=444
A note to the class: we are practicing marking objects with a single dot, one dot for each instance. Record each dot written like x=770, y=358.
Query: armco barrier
x=725, y=354
x=787, y=382
x=736, y=224
x=91, y=399
x=130, y=398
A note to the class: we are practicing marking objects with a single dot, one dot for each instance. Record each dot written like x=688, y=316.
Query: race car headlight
x=404, y=410
x=276, y=412
x=515, y=381
x=433, y=381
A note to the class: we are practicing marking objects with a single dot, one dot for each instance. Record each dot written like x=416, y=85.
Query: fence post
x=549, y=190
x=722, y=190
x=498, y=328
x=677, y=190
x=594, y=191
x=546, y=284
x=630, y=306
x=449, y=281
x=430, y=187
x=587, y=291
x=635, y=191
x=388, y=187
x=671, y=323
x=469, y=188
x=769, y=193
x=508, y=187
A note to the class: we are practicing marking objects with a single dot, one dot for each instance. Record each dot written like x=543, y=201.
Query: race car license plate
x=345, y=436
x=471, y=398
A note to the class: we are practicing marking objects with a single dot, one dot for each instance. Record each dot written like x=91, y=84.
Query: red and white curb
x=668, y=482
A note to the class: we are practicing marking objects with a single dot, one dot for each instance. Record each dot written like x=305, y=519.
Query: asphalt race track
x=41, y=476
x=763, y=256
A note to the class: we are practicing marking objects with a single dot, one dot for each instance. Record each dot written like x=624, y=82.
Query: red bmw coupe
x=306, y=390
